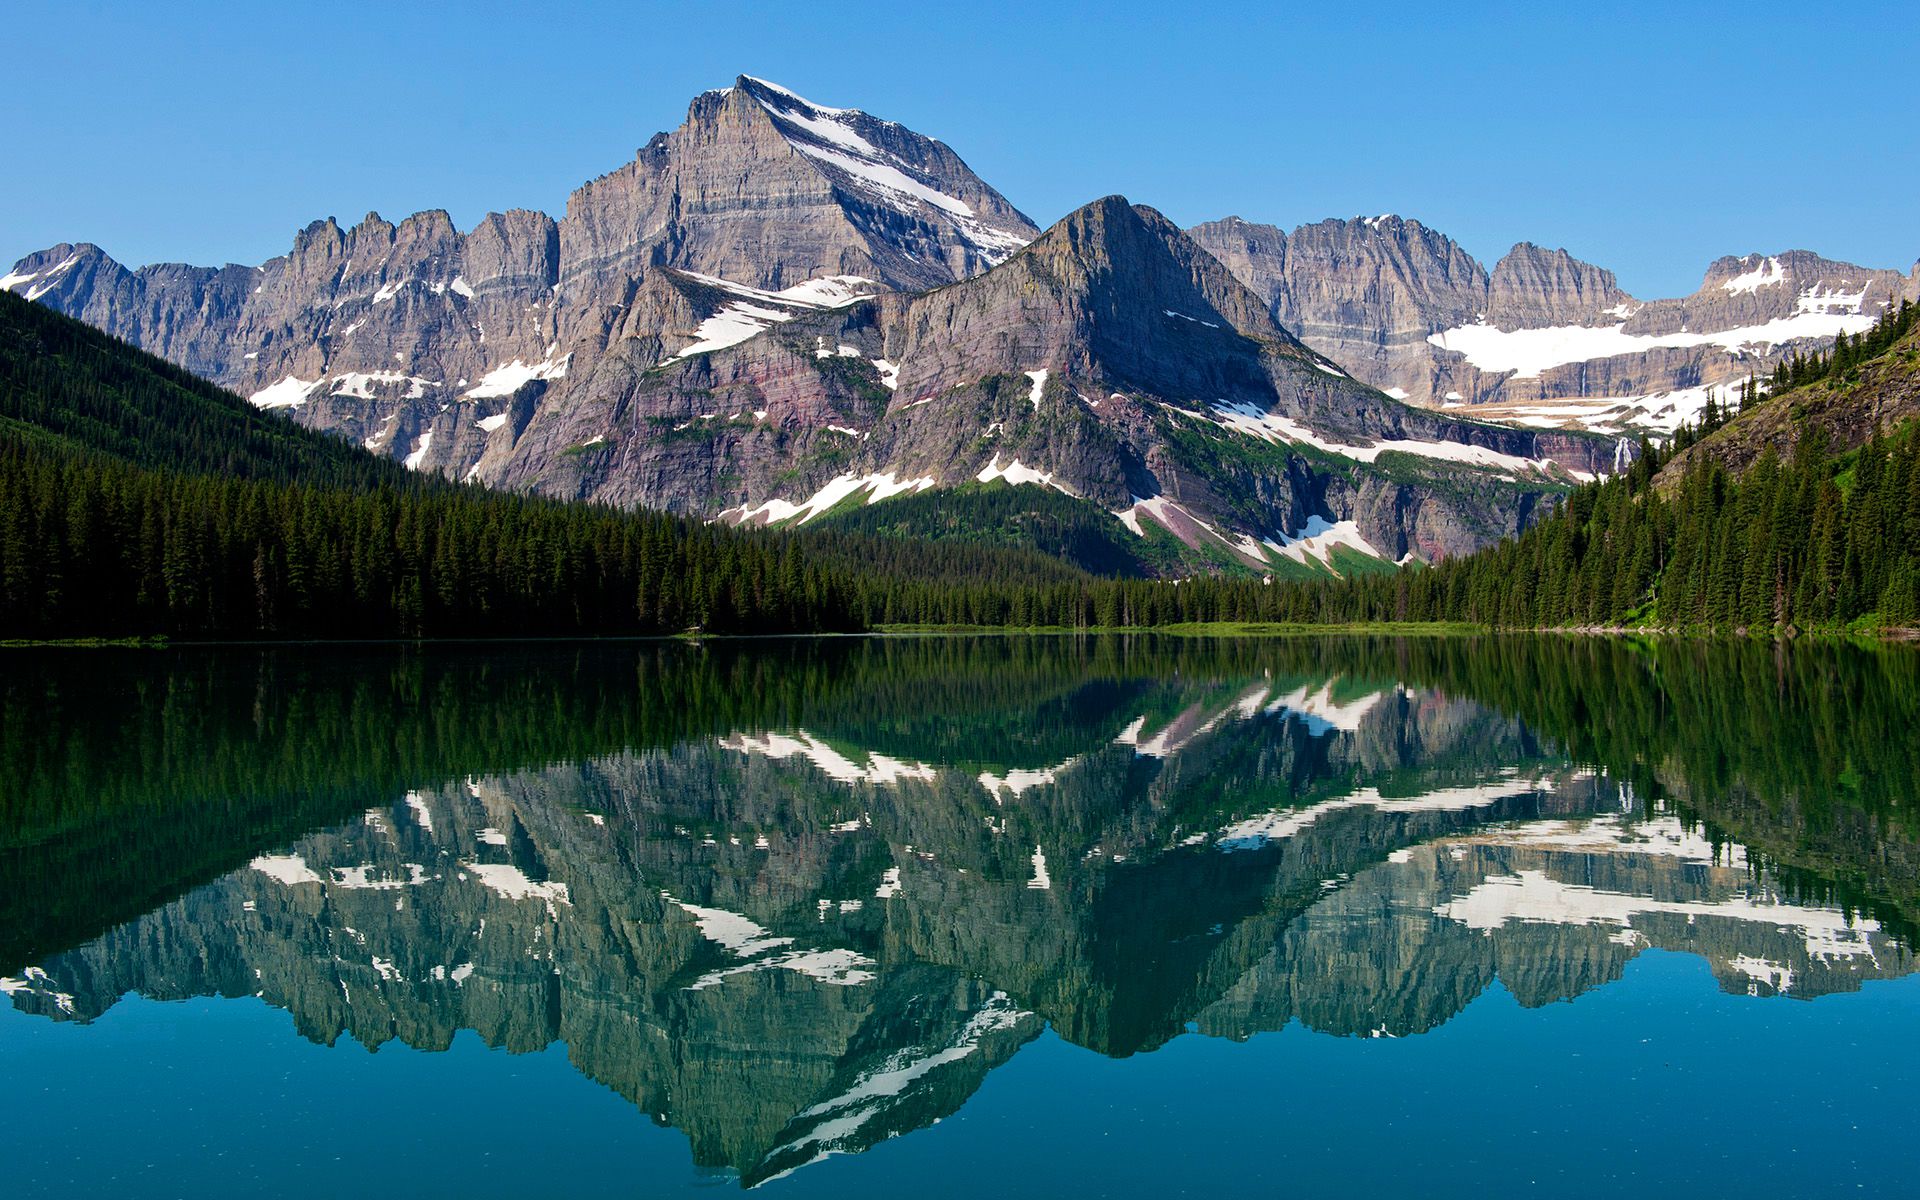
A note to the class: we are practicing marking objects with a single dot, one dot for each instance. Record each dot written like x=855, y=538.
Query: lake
x=1008, y=916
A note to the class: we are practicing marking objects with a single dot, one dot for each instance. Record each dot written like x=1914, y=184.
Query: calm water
x=951, y=917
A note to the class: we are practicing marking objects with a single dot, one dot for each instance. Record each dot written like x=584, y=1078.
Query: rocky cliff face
x=769, y=190
x=1543, y=339
x=781, y=307
x=412, y=338
x=1111, y=359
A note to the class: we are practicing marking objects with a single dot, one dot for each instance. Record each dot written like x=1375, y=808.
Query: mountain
x=1111, y=359
x=781, y=306
x=1543, y=339
x=406, y=337
x=67, y=389
x=1799, y=509
x=1848, y=405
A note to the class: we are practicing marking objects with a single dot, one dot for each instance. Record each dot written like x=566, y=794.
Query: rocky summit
x=1543, y=339
x=1111, y=360
x=409, y=337
x=782, y=312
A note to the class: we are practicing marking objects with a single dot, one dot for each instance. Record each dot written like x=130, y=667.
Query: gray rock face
x=1112, y=359
x=1411, y=313
x=1533, y=287
x=412, y=338
x=1366, y=293
x=764, y=188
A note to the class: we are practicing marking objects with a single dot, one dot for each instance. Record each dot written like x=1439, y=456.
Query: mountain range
x=782, y=311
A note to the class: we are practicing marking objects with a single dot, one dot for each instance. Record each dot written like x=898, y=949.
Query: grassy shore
x=1214, y=629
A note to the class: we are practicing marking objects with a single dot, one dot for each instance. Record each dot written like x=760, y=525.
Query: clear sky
x=1646, y=137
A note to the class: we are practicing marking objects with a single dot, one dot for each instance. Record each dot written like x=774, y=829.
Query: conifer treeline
x=136, y=501
x=92, y=547
x=1788, y=544
x=1848, y=353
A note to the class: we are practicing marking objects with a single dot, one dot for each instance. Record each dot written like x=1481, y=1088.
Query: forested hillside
x=135, y=501
x=1801, y=509
x=65, y=386
x=138, y=501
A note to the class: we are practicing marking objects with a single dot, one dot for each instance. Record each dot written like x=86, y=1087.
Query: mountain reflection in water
x=798, y=900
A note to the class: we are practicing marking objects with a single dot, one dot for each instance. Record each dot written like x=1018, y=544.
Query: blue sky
x=1649, y=138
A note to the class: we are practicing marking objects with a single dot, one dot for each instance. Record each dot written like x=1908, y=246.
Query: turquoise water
x=944, y=917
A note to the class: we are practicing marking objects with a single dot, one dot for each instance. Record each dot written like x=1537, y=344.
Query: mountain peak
x=768, y=92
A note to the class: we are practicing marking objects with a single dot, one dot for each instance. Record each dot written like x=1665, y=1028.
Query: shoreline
x=1893, y=635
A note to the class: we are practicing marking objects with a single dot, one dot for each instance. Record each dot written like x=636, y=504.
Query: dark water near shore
x=948, y=916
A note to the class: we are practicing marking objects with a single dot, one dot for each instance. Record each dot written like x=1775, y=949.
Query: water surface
x=1127, y=917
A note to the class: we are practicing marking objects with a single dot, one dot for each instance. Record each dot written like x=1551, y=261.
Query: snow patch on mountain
x=829, y=136
x=1318, y=538
x=758, y=310
x=1015, y=472
x=508, y=378
x=1275, y=427
x=1768, y=274
x=288, y=393
x=879, y=486
x=1526, y=353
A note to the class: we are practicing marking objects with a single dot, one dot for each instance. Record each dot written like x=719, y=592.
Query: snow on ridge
x=842, y=968
x=1322, y=712
x=1768, y=274
x=876, y=1091
x=759, y=310
x=509, y=881
x=1168, y=513
x=1659, y=837
x=886, y=179
x=741, y=935
x=797, y=98
x=747, y=939
x=1819, y=300
x=827, y=136
x=1659, y=412
x=288, y=869
x=1180, y=732
x=47, y=278
x=828, y=291
x=732, y=325
x=1527, y=353
x=826, y=126
x=1318, y=538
